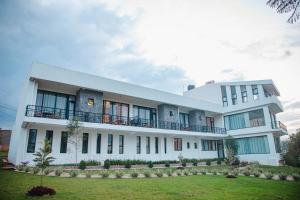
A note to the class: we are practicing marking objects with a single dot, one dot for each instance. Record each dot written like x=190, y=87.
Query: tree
x=74, y=136
x=286, y=6
x=292, y=157
x=43, y=159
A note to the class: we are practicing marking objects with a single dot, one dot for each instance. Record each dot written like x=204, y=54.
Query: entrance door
x=220, y=147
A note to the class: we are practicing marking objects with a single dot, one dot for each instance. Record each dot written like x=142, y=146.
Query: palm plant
x=42, y=158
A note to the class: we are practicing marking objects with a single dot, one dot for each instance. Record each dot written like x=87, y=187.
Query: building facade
x=126, y=121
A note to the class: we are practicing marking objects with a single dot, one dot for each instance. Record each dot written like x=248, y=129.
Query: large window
x=177, y=144
x=49, y=137
x=277, y=144
x=209, y=145
x=63, y=142
x=143, y=116
x=121, y=144
x=252, y=145
x=85, y=142
x=184, y=120
x=156, y=145
x=110, y=144
x=138, y=144
x=147, y=145
x=244, y=93
x=54, y=105
x=115, y=113
x=224, y=95
x=233, y=95
x=252, y=118
x=31, y=140
x=98, y=150
x=254, y=91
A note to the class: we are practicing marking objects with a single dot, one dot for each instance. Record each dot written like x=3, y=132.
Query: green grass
x=13, y=185
x=3, y=153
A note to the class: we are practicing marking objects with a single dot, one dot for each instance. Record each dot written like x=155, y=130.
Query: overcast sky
x=159, y=44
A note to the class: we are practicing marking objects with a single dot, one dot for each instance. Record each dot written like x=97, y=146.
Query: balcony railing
x=279, y=125
x=56, y=113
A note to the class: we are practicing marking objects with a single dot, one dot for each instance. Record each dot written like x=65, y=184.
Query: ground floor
x=99, y=145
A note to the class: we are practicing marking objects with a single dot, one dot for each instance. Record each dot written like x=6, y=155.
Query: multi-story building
x=126, y=121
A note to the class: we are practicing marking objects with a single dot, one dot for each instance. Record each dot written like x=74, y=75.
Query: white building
x=127, y=121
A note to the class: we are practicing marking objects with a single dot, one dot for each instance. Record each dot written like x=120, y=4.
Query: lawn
x=14, y=184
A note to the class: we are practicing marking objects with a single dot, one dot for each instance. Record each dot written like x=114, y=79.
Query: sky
x=160, y=44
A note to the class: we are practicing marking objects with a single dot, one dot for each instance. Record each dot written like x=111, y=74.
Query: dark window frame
x=110, y=141
x=138, y=144
x=49, y=137
x=177, y=144
x=85, y=143
x=98, y=143
x=31, y=143
x=64, y=142
x=121, y=144
x=156, y=145
x=148, y=145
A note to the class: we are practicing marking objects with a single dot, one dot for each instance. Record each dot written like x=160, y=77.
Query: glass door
x=220, y=149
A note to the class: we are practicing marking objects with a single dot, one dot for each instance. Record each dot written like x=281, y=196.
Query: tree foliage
x=42, y=158
x=286, y=6
x=292, y=157
x=74, y=135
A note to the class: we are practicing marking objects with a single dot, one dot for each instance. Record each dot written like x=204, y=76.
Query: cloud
x=226, y=71
x=293, y=105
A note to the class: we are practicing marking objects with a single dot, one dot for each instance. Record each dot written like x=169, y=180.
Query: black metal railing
x=56, y=113
x=279, y=124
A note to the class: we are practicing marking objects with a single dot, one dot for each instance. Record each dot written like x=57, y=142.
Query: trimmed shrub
x=104, y=174
x=82, y=165
x=40, y=191
x=47, y=171
x=179, y=173
x=159, y=174
x=36, y=170
x=147, y=174
x=27, y=169
x=128, y=165
x=230, y=176
x=256, y=174
x=296, y=177
x=219, y=162
x=195, y=163
x=269, y=176
x=246, y=173
x=194, y=172
x=203, y=172
x=282, y=176
x=107, y=164
x=88, y=174
x=208, y=163
x=183, y=164
x=167, y=164
x=186, y=173
x=119, y=174
x=73, y=173
x=169, y=173
x=214, y=173
x=134, y=174
x=150, y=164
x=58, y=172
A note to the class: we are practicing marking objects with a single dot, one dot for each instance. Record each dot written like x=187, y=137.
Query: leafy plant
x=58, y=171
x=186, y=173
x=167, y=164
x=82, y=165
x=105, y=174
x=40, y=191
x=269, y=175
x=74, y=135
x=35, y=170
x=119, y=174
x=150, y=164
x=106, y=164
x=169, y=173
x=246, y=173
x=134, y=174
x=88, y=174
x=194, y=172
x=147, y=174
x=159, y=174
x=47, y=171
x=73, y=173
x=128, y=165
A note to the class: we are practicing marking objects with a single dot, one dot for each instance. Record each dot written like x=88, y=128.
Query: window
x=244, y=93
x=115, y=113
x=63, y=142
x=138, y=144
x=143, y=116
x=233, y=95
x=254, y=92
x=187, y=145
x=110, y=144
x=177, y=144
x=90, y=102
x=85, y=142
x=121, y=144
x=195, y=145
x=184, y=120
x=148, y=145
x=165, y=145
x=31, y=140
x=252, y=145
x=252, y=118
x=49, y=137
x=98, y=150
x=171, y=113
x=209, y=145
x=277, y=144
x=224, y=96
x=156, y=145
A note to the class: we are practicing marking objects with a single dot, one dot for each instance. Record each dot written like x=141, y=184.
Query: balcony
x=279, y=125
x=55, y=113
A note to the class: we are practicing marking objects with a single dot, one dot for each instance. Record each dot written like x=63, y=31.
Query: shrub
x=169, y=173
x=256, y=174
x=269, y=176
x=246, y=173
x=104, y=174
x=219, y=162
x=107, y=164
x=47, y=171
x=208, y=163
x=92, y=163
x=230, y=176
x=296, y=177
x=214, y=173
x=194, y=172
x=181, y=168
x=147, y=174
x=58, y=172
x=73, y=173
x=178, y=173
x=134, y=174
x=27, y=169
x=36, y=170
x=82, y=165
x=225, y=173
x=150, y=164
x=40, y=191
x=183, y=164
x=88, y=174
x=243, y=164
x=282, y=176
x=203, y=172
x=186, y=173
x=128, y=165
x=119, y=174
x=159, y=174
x=195, y=163
x=167, y=164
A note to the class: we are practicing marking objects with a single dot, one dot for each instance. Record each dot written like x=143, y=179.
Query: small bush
x=167, y=164
x=40, y=191
x=246, y=173
x=282, y=176
x=195, y=163
x=230, y=176
x=225, y=173
x=107, y=164
x=134, y=174
x=219, y=162
x=150, y=164
x=119, y=174
x=82, y=165
x=27, y=169
x=214, y=173
x=88, y=174
x=73, y=173
x=178, y=173
x=203, y=172
x=243, y=163
x=128, y=165
x=20, y=167
x=183, y=164
x=208, y=163
x=147, y=174
x=256, y=174
x=58, y=172
x=186, y=173
x=104, y=174
x=159, y=174
x=170, y=173
x=36, y=170
x=269, y=176
x=47, y=171
x=296, y=177
x=194, y=172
